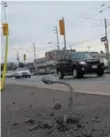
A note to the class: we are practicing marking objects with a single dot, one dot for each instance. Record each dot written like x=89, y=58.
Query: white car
x=9, y=74
x=22, y=72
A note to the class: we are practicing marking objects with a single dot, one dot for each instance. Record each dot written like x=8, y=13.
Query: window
x=81, y=55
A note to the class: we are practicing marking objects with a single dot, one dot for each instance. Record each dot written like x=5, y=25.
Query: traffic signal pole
x=62, y=30
x=6, y=34
x=34, y=50
x=18, y=57
x=5, y=63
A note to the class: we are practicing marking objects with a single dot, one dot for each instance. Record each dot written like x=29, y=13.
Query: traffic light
x=24, y=57
x=5, y=29
x=61, y=27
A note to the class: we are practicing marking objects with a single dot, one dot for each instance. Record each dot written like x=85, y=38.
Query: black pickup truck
x=79, y=63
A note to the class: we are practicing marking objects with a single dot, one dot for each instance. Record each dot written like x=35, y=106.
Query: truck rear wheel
x=60, y=75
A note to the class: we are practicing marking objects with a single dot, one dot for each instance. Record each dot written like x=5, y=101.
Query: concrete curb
x=64, y=89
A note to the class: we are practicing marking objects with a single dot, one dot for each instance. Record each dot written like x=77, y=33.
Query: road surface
x=88, y=84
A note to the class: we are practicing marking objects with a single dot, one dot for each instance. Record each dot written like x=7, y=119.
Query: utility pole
x=34, y=50
x=56, y=32
x=18, y=57
x=64, y=34
x=106, y=42
x=105, y=24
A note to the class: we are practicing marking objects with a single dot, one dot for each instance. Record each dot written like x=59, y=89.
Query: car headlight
x=82, y=62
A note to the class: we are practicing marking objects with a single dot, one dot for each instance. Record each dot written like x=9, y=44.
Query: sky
x=34, y=21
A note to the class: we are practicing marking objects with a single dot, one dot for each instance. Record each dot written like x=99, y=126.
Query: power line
x=89, y=17
x=95, y=37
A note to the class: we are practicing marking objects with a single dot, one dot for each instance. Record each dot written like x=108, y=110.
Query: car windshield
x=81, y=55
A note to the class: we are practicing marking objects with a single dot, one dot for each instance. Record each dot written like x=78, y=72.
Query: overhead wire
x=81, y=42
x=86, y=18
x=89, y=17
x=87, y=40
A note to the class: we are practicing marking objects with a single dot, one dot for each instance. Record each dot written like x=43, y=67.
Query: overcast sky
x=33, y=22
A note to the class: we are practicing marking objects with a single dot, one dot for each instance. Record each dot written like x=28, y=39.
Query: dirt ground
x=30, y=112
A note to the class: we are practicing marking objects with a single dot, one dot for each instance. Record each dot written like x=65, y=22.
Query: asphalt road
x=87, y=78
x=89, y=84
x=20, y=103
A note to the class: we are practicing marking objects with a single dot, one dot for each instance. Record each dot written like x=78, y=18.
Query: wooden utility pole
x=106, y=42
x=34, y=50
x=56, y=32
x=18, y=57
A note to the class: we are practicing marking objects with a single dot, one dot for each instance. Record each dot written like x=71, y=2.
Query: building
x=47, y=64
x=31, y=67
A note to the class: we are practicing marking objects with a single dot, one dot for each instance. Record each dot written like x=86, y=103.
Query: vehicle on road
x=9, y=74
x=22, y=72
x=77, y=64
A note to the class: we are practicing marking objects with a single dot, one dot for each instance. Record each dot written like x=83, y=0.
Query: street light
x=4, y=8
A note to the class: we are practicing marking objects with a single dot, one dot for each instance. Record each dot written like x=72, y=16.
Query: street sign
x=103, y=39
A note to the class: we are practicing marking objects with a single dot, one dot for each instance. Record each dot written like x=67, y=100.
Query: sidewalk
x=19, y=103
